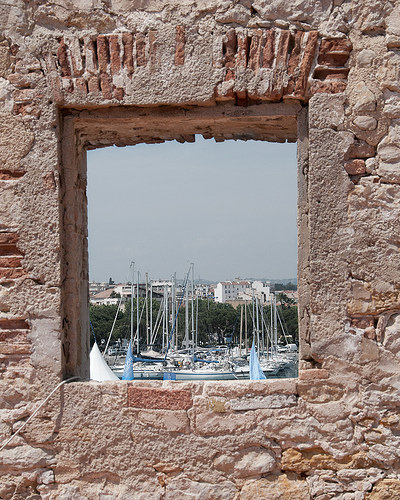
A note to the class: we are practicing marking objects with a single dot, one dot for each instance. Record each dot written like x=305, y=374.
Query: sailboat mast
x=151, y=311
x=147, y=312
x=137, y=314
x=132, y=289
x=192, y=310
x=275, y=326
x=187, y=317
x=258, y=325
x=245, y=327
x=173, y=292
x=241, y=331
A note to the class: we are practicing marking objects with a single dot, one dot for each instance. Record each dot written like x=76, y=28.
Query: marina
x=160, y=353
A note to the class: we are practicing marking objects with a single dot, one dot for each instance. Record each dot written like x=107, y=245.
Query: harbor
x=165, y=342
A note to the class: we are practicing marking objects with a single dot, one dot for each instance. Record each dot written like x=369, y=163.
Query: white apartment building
x=242, y=290
x=230, y=290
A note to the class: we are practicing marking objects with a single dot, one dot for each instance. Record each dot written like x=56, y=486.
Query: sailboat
x=99, y=369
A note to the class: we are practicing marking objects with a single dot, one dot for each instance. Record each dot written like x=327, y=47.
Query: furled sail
x=256, y=372
x=99, y=370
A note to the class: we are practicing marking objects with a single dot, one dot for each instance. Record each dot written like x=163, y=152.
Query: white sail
x=99, y=370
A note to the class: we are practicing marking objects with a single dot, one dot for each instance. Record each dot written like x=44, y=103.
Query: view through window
x=204, y=236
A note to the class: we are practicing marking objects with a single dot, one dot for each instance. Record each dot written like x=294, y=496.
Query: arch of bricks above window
x=247, y=66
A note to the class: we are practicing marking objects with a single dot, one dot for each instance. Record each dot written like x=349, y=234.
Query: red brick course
x=127, y=40
x=10, y=259
x=13, y=336
x=159, y=399
x=141, y=59
x=180, y=46
x=290, y=57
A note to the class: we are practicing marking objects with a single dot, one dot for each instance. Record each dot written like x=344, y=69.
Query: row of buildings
x=232, y=292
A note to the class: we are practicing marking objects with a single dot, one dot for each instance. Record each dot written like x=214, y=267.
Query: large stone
x=186, y=489
x=15, y=141
x=275, y=488
x=24, y=457
x=365, y=100
x=247, y=462
x=386, y=489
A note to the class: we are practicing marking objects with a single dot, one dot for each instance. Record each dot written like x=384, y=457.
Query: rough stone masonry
x=77, y=75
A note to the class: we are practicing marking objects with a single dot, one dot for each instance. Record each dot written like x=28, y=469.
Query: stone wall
x=91, y=73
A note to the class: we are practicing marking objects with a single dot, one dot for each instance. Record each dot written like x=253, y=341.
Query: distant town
x=235, y=292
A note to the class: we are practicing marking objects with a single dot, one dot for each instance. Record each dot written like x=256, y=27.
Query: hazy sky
x=228, y=207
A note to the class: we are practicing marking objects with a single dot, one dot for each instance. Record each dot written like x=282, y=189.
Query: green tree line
x=215, y=321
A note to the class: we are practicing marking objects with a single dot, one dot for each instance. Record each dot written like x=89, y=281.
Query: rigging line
x=283, y=330
x=93, y=331
x=158, y=322
x=140, y=319
x=177, y=312
x=37, y=409
x=112, y=328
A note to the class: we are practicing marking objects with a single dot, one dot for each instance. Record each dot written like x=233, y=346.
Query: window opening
x=228, y=207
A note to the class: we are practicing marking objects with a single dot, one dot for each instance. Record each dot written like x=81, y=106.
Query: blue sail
x=128, y=368
x=256, y=372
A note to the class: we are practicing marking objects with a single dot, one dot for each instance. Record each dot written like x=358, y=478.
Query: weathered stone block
x=160, y=399
x=276, y=488
x=258, y=402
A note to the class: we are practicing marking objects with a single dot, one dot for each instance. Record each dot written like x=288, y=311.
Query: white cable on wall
x=37, y=409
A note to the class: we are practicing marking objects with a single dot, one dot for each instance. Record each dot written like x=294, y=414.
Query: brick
x=338, y=45
x=119, y=93
x=80, y=85
x=63, y=59
x=27, y=109
x=242, y=51
x=105, y=85
x=13, y=336
x=68, y=84
x=283, y=49
x=115, y=58
x=127, y=60
x=24, y=96
x=7, y=238
x=141, y=59
x=255, y=51
x=230, y=48
x=9, y=249
x=153, y=51
x=76, y=57
x=15, y=348
x=10, y=262
x=13, y=324
x=180, y=46
x=355, y=167
x=90, y=55
x=102, y=53
x=159, y=399
x=306, y=64
x=280, y=66
x=313, y=374
x=8, y=175
x=327, y=87
x=93, y=85
x=360, y=149
x=12, y=274
x=20, y=80
x=294, y=61
x=269, y=50
x=331, y=73
x=333, y=59
x=242, y=98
